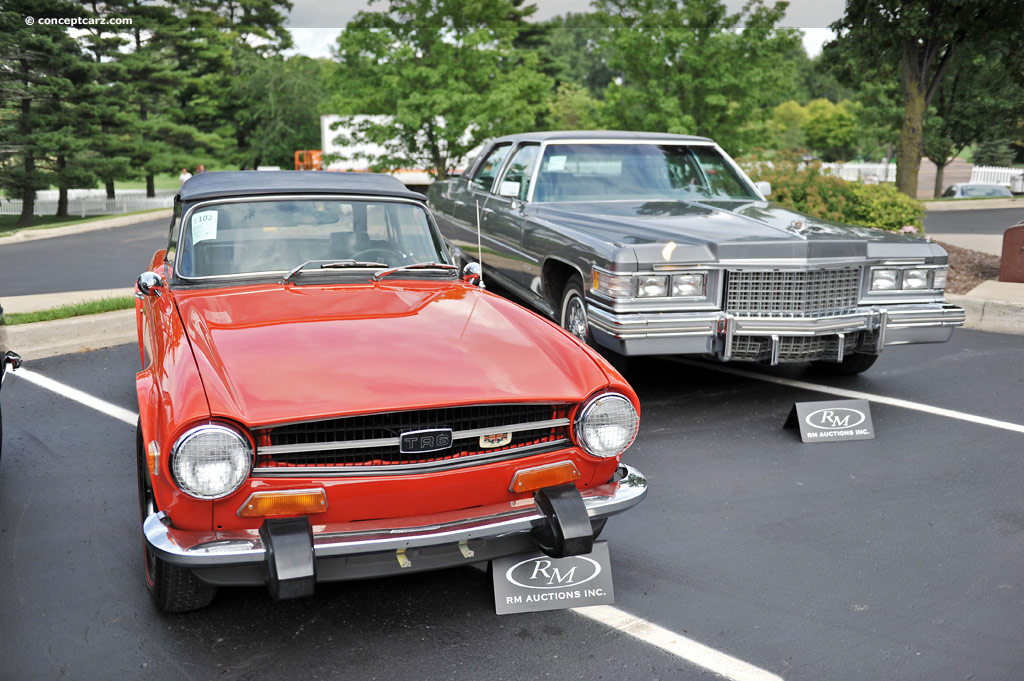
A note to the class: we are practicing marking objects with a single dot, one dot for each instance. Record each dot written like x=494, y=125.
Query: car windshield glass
x=254, y=237
x=592, y=172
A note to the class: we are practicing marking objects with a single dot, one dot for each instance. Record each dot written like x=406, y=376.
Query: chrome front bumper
x=715, y=332
x=372, y=548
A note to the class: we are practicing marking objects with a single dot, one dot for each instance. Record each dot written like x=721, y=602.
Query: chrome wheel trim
x=574, y=316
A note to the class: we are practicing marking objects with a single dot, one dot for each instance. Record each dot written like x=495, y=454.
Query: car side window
x=520, y=169
x=484, y=178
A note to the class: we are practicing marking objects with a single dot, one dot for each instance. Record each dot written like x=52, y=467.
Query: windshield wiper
x=377, y=276
x=330, y=264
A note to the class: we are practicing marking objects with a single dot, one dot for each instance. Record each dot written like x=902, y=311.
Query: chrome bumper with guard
x=373, y=548
x=715, y=332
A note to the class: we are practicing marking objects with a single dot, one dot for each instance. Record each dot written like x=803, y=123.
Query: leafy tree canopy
x=446, y=74
x=693, y=68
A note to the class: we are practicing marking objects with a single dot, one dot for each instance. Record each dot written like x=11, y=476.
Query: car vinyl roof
x=601, y=135
x=220, y=184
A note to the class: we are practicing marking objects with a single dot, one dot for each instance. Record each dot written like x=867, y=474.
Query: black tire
x=853, y=364
x=172, y=588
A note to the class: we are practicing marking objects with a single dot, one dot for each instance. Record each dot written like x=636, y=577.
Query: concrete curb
x=49, y=301
x=75, y=334
x=997, y=316
x=95, y=225
x=972, y=204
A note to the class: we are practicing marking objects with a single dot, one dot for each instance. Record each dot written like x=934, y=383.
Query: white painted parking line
x=672, y=643
x=77, y=395
x=857, y=395
x=676, y=644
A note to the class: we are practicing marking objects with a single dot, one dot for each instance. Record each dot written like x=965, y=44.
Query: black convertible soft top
x=215, y=185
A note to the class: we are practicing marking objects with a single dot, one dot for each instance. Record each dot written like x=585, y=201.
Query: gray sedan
x=643, y=243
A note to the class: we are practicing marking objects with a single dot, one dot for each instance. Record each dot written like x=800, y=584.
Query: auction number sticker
x=204, y=226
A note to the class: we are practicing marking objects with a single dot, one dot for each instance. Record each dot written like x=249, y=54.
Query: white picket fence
x=854, y=172
x=994, y=175
x=86, y=202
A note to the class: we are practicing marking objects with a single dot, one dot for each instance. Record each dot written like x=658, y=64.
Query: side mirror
x=148, y=284
x=764, y=187
x=510, y=189
x=472, y=273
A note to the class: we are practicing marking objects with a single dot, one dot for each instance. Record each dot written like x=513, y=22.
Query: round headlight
x=607, y=425
x=211, y=461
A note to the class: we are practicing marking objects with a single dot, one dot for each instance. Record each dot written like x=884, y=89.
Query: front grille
x=372, y=440
x=791, y=348
x=791, y=293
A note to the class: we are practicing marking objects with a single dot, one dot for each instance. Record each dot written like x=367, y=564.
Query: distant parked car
x=8, y=359
x=644, y=243
x=976, y=190
x=323, y=398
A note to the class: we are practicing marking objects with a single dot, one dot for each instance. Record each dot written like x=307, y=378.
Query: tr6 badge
x=420, y=441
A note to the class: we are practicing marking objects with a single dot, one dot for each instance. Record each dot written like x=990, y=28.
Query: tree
x=445, y=74
x=36, y=115
x=977, y=101
x=573, y=51
x=831, y=129
x=918, y=40
x=279, y=105
x=104, y=113
x=788, y=121
x=692, y=68
x=572, y=108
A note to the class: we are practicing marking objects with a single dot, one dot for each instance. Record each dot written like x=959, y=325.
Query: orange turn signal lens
x=529, y=479
x=153, y=457
x=284, y=502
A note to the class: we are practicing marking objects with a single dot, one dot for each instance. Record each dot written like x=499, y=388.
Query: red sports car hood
x=272, y=354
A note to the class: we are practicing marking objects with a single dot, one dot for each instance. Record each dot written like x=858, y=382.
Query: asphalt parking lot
x=900, y=557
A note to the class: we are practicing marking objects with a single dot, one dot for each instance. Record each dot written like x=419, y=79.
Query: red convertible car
x=325, y=397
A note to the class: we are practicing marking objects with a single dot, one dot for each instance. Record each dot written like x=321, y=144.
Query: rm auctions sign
x=533, y=581
x=833, y=421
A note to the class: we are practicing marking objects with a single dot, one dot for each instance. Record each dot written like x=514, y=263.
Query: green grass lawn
x=65, y=311
x=164, y=181
x=9, y=226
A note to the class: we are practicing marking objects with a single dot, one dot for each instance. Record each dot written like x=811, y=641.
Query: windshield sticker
x=204, y=226
x=556, y=163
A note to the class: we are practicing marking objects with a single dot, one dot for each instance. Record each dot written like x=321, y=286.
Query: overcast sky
x=315, y=24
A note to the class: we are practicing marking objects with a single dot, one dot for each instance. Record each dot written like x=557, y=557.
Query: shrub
x=802, y=187
x=884, y=207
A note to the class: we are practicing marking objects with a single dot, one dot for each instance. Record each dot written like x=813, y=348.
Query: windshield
x=273, y=236
x=591, y=172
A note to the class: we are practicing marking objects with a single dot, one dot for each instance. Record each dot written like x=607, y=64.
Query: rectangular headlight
x=688, y=285
x=915, y=279
x=651, y=286
x=885, y=280
x=613, y=285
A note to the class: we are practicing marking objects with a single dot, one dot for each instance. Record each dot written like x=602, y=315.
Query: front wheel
x=172, y=588
x=573, y=316
x=854, y=364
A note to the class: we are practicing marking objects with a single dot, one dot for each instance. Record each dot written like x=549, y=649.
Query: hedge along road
x=897, y=557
